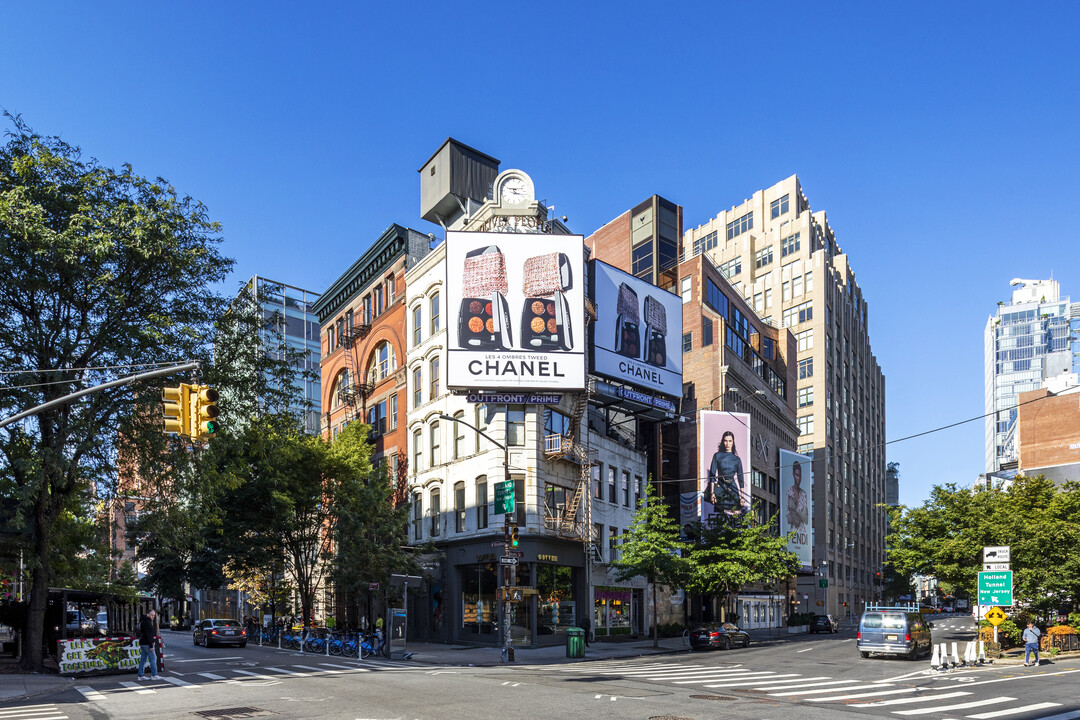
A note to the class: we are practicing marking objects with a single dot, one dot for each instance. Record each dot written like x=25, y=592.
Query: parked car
x=721, y=635
x=219, y=631
x=894, y=631
x=824, y=623
x=103, y=623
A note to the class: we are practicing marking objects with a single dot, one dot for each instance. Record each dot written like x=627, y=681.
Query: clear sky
x=940, y=138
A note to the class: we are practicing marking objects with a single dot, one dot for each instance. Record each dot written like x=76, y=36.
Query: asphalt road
x=812, y=676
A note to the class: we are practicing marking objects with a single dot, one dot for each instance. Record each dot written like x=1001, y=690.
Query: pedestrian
x=1031, y=643
x=147, y=644
x=587, y=627
x=330, y=622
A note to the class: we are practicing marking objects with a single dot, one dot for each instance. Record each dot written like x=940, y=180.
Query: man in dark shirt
x=147, y=643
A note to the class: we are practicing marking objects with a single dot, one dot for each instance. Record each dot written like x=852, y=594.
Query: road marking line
x=689, y=673
x=209, y=659
x=827, y=690
x=1071, y=715
x=759, y=675
x=90, y=693
x=806, y=650
x=861, y=695
x=29, y=714
x=909, y=701
x=1013, y=711
x=288, y=672
x=759, y=681
x=178, y=682
x=946, y=708
x=802, y=682
x=321, y=670
x=254, y=674
x=141, y=689
x=345, y=667
x=212, y=676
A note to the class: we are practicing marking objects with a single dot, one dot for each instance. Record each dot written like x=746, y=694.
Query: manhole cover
x=230, y=713
x=712, y=697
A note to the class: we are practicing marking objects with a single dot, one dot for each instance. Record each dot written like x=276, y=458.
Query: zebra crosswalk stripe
x=1014, y=711
x=136, y=687
x=861, y=695
x=787, y=693
x=90, y=693
x=949, y=708
x=910, y=701
x=763, y=683
x=760, y=676
x=211, y=676
x=178, y=682
x=321, y=670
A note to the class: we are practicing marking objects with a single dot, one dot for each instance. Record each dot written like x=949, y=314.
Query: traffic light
x=204, y=410
x=177, y=414
x=514, y=536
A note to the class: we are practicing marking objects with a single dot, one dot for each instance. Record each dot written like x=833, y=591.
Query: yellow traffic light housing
x=514, y=541
x=176, y=411
x=204, y=411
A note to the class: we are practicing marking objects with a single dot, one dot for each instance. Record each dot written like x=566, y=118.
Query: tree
x=739, y=551
x=651, y=548
x=1036, y=518
x=105, y=271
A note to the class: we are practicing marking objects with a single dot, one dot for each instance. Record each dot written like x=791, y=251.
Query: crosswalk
x=33, y=712
x=880, y=695
x=107, y=686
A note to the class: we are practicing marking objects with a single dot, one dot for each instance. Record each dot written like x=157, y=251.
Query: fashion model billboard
x=516, y=307
x=637, y=337
x=724, y=462
x=796, y=482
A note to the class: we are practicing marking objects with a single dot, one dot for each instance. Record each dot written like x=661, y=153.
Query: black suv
x=824, y=623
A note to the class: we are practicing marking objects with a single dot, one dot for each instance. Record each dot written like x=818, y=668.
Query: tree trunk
x=655, y=637
x=33, y=640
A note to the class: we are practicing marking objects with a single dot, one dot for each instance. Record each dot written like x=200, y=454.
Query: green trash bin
x=575, y=642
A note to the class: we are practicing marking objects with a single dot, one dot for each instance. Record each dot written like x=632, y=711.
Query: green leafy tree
x=1037, y=518
x=651, y=548
x=737, y=552
x=105, y=272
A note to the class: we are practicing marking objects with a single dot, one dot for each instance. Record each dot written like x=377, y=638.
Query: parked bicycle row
x=320, y=641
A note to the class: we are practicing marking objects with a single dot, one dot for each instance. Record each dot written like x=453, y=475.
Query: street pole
x=509, y=571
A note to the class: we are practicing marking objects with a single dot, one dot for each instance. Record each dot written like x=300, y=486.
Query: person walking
x=587, y=627
x=147, y=644
x=1031, y=643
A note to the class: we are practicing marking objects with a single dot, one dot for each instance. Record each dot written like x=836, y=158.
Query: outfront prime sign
x=515, y=311
x=637, y=336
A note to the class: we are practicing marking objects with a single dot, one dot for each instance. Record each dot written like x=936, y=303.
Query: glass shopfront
x=556, y=599
x=480, y=612
x=612, y=613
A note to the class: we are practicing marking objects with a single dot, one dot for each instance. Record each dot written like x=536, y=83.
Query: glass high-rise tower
x=1027, y=341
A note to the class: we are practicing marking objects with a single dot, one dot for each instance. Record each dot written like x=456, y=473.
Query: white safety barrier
x=982, y=652
x=955, y=656
x=935, y=660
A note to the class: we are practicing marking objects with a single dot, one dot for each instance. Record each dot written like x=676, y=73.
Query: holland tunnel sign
x=995, y=588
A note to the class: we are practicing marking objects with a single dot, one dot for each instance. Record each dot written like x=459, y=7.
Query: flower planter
x=796, y=629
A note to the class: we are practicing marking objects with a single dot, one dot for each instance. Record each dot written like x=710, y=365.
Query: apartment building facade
x=784, y=260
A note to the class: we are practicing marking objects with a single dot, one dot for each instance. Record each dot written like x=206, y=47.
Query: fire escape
x=573, y=447
x=353, y=393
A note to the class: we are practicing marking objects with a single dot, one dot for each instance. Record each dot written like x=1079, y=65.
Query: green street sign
x=995, y=588
x=504, y=497
x=823, y=582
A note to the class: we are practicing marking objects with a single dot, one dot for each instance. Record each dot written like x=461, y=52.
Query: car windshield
x=872, y=620
x=226, y=623
x=729, y=627
x=892, y=621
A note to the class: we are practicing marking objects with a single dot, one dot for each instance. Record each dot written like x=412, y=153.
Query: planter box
x=796, y=629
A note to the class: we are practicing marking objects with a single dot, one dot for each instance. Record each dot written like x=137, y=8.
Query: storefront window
x=557, y=603
x=611, y=610
x=479, y=610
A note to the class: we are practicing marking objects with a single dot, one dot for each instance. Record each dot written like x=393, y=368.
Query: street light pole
x=851, y=577
x=508, y=649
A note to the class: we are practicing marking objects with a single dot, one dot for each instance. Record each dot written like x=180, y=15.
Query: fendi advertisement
x=516, y=311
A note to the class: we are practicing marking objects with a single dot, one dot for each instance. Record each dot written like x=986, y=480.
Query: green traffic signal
x=514, y=536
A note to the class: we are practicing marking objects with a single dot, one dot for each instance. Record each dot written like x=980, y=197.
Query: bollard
x=934, y=661
x=982, y=652
x=969, y=654
x=955, y=656
x=944, y=656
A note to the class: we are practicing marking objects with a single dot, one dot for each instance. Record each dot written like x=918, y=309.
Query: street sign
x=504, y=497
x=823, y=582
x=515, y=553
x=508, y=561
x=498, y=543
x=996, y=566
x=996, y=553
x=995, y=616
x=995, y=588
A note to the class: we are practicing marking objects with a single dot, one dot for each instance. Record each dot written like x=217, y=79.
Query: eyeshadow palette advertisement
x=538, y=278
x=635, y=320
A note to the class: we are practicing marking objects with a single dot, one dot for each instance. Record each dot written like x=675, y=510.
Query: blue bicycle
x=373, y=644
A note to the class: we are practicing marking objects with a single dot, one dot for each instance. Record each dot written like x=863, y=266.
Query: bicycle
x=373, y=644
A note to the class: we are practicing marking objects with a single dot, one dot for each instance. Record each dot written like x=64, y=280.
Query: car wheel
x=864, y=653
x=194, y=640
x=914, y=654
x=243, y=644
x=726, y=644
x=746, y=643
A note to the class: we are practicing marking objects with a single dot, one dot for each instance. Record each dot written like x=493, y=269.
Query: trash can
x=575, y=642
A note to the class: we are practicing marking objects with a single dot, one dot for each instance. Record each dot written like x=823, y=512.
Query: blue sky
x=940, y=138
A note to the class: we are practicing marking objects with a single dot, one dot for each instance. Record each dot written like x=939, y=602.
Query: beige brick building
x=783, y=258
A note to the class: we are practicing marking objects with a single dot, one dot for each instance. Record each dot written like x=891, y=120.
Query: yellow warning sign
x=995, y=616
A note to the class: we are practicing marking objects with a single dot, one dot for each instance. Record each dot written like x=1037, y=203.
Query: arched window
x=435, y=314
x=434, y=378
x=382, y=363
x=435, y=445
x=459, y=435
x=340, y=388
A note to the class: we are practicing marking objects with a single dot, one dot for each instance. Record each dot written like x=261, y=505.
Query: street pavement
x=794, y=676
